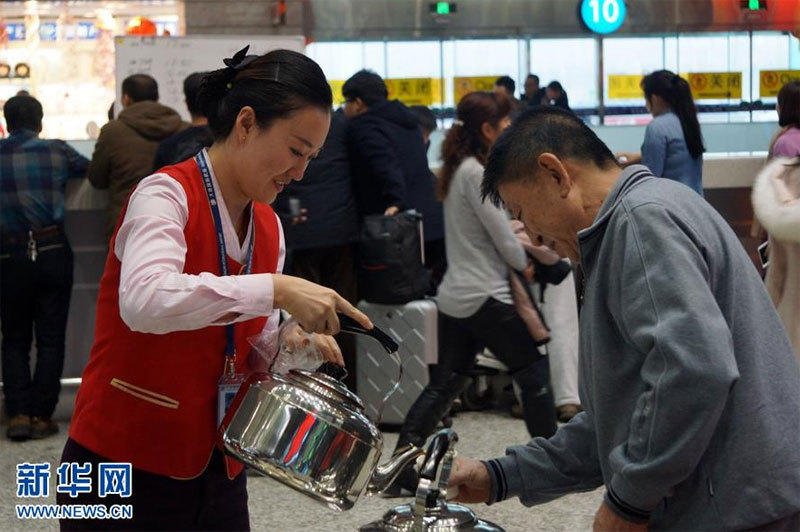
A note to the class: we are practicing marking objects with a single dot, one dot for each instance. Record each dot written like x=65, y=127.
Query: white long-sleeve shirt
x=480, y=246
x=155, y=296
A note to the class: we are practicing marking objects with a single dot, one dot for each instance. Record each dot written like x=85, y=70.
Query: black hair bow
x=240, y=59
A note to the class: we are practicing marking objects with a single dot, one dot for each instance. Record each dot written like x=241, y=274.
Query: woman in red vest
x=193, y=270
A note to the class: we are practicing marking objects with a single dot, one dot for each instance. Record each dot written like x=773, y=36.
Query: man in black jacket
x=188, y=142
x=388, y=156
x=320, y=224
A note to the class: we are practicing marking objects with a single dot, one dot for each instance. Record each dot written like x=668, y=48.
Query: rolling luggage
x=414, y=326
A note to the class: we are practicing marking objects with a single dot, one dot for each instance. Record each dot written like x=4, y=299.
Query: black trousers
x=34, y=302
x=497, y=326
x=332, y=267
x=207, y=502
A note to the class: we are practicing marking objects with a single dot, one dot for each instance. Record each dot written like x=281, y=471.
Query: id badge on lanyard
x=229, y=381
x=228, y=385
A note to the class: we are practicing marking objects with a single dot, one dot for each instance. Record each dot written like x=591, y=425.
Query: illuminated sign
x=603, y=16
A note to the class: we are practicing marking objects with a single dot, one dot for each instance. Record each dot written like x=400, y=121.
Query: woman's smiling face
x=268, y=159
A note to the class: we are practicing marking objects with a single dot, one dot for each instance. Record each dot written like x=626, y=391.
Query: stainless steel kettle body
x=308, y=431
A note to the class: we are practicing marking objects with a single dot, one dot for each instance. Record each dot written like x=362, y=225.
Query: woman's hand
x=296, y=339
x=469, y=480
x=313, y=306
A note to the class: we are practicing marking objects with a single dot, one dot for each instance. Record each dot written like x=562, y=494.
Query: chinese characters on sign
x=467, y=84
x=410, y=91
x=715, y=85
x=415, y=91
x=771, y=81
x=704, y=85
x=625, y=87
x=33, y=480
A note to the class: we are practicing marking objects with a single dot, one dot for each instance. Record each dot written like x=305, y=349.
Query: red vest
x=150, y=399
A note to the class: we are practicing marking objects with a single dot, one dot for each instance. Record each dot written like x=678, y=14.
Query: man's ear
x=361, y=107
x=556, y=171
x=487, y=131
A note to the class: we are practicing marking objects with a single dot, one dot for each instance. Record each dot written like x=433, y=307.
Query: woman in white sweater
x=476, y=309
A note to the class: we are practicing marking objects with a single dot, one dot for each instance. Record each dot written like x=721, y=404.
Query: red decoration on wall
x=141, y=26
x=3, y=32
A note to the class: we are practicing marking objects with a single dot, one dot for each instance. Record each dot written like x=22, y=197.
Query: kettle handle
x=349, y=325
x=437, y=449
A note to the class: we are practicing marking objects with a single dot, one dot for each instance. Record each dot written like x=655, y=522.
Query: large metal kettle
x=309, y=432
x=430, y=511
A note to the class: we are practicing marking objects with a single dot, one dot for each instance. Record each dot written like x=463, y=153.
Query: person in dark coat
x=124, y=152
x=188, y=142
x=388, y=156
x=506, y=86
x=390, y=167
x=320, y=224
x=534, y=94
x=435, y=255
x=555, y=95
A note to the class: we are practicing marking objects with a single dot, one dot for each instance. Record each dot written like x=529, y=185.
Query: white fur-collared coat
x=776, y=203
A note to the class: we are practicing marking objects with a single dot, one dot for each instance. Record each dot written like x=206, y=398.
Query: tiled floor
x=274, y=507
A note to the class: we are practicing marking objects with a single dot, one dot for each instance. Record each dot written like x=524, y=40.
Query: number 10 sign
x=603, y=16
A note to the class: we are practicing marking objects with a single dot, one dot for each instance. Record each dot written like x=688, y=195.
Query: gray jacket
x=691, y=390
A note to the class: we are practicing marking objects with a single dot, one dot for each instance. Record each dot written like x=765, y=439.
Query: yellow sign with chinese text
x=771, y=81
x=625, y=87
x=336, y=89
x=410, y=91
x=704, y=85
x=715, y=85
x=467, y=84
x=415, y=91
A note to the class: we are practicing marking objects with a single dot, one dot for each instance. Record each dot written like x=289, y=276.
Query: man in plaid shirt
x=35, y=266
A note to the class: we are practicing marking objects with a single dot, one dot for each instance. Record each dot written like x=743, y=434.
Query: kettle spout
x=385, y=474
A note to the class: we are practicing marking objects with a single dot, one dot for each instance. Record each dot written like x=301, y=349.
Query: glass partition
x=574, y=62
x=578, y=74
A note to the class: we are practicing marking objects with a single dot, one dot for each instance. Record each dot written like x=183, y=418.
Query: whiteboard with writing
x=170, y=59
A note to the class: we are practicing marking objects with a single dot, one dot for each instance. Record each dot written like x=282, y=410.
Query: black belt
x=45, y=233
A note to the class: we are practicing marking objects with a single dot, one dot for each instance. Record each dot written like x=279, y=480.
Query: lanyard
x=230, y=345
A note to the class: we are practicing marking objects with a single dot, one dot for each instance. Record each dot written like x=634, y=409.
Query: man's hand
x=469, y=481
x=605, y=520
x=391, y=211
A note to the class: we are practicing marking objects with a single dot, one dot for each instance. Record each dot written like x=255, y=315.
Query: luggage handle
x=349, y=325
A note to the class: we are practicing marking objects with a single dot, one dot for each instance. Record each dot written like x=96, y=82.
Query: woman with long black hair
x=673, y=143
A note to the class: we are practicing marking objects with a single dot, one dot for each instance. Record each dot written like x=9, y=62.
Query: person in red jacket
x=193, y=270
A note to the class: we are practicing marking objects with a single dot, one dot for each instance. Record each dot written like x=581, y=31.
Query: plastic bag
x=282, y=353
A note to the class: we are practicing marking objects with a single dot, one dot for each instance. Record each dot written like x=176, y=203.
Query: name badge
x=227, y=387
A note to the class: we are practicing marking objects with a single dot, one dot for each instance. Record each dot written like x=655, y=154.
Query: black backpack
x=390, y=259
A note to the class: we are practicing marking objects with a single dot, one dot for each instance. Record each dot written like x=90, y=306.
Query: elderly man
x=691, y=390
